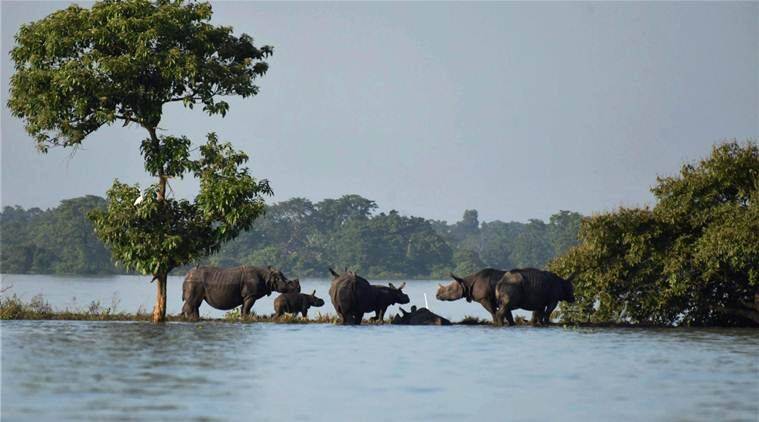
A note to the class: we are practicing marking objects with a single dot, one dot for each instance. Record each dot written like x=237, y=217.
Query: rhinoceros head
x=452, y=291
x=315, y=301
x=293, y=286
x=278, y=282
x=398, y=295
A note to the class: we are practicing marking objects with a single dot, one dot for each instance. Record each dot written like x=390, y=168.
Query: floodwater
x=74, y=370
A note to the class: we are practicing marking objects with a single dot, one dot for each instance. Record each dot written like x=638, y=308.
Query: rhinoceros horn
x=334, y=274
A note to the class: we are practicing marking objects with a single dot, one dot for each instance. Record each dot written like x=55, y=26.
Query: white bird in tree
x=139, y=200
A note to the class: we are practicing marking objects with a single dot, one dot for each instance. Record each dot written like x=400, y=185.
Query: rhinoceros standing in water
x=500, y=292
x=534, y=290
x=353, y=296
x=228, y=288
x=478, y=287
x=294, y=303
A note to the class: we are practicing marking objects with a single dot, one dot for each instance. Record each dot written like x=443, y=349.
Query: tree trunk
x=159, y=311
x=162, y=187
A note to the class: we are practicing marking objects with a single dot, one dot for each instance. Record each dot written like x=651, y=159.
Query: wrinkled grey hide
x=533, y=290
x=478, y=287
x=228, y=288
x=500, y=292
x=293, y=303
x=353, y=296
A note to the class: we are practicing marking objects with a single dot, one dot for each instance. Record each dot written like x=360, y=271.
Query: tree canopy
x=693, y=259
x=79, y=69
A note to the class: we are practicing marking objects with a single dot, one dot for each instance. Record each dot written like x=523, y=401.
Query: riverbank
x=13, y=308
x=37, y=309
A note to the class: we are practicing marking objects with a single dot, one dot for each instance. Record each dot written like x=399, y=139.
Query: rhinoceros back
x=350, y=294
x=540, y=288
x=223, y=286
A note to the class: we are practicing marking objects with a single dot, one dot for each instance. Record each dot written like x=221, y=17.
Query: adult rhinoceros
x=500, y=292
x=478, y=287
x=228, y=288
x=533, y=290
x=353, y=296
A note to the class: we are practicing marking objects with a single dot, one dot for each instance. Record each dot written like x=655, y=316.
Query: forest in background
x=303, y=238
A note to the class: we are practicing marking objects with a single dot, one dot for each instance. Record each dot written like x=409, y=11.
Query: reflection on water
x=76, y=370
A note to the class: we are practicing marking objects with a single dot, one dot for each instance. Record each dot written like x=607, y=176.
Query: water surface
x=76, y=370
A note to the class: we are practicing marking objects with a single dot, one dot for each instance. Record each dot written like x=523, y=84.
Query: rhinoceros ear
x=460, y=280
x=403, y=311
x=334, y=274
x=391, y=285
x=313, y=293
x=402, y=286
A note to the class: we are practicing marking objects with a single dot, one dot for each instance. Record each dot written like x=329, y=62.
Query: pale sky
x=517, y=110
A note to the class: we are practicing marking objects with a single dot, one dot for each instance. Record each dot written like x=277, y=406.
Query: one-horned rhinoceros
x=228, y=288
x=294, y=303
x=353, y=296
x=534, y=290
x=478, y=287
x=421, y=316
x=500, y=292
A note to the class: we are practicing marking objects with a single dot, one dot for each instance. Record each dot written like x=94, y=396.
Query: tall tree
x=79, y=69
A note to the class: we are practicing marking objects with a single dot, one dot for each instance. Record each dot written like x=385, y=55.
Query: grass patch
x=13, y=308
x=37, y=308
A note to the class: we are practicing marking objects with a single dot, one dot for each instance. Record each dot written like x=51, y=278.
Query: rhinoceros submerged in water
x=228, y=288
x=422, y=316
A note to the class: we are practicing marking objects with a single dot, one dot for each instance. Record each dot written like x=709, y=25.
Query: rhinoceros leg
x=510, y=318
x=547, y=314
x=381, y=316
x=193, y=296
x=538, y=316
x=492, y=308
x=247, y=304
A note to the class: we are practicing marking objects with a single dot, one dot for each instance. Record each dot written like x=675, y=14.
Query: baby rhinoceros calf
x=293, y=303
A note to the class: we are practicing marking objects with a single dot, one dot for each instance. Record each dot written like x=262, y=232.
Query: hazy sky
x=517, y=110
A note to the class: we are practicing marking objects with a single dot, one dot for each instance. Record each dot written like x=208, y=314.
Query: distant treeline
x=303, y=239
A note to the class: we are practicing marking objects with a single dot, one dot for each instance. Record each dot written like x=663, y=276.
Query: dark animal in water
x=228, y=288
x=500, y=292
x=421, y=316
x=478, y=287
x=293, y=303
x=353, y=296
x=534, y=290
x=385, y=296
